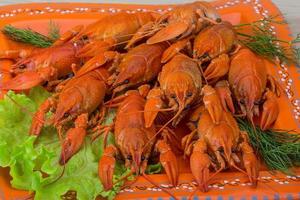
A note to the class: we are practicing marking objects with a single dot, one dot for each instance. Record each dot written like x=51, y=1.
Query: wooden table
x=290, y=8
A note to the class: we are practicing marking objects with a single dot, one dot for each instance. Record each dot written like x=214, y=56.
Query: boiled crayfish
x=40, y=65
x=135, y=142
x=78, y=98
x=253, y=88
x=50, y=64
x=214, y=45
x=138, y=66
x=182, y=21
x=217, y=146
x=180, y=85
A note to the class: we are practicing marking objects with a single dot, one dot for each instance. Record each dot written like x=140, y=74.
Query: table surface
x=290, y=8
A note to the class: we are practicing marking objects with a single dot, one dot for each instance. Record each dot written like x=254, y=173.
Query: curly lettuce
x=33, y=161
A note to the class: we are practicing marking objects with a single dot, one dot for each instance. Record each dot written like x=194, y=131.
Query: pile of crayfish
x=158, y=71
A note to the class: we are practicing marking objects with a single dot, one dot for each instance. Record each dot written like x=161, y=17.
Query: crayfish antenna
x=158, y=186
x=125, y=177
x=62, y=157
x=24, y=109
x=163, y=127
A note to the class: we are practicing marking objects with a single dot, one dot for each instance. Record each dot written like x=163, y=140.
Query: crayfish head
x=25, y=64
x=127, y=78
x=68, y=107
x=180, y=90
x=132, y=147
x=208, y=10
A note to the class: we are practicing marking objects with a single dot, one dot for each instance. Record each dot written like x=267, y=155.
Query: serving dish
x=228, y=185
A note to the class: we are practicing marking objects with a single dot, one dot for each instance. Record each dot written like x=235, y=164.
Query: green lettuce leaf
x=33, y=161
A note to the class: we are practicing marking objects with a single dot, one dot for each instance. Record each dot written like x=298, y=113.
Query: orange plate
x=230, y=185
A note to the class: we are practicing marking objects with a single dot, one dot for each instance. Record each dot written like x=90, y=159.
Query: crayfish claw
x=222, y=88
x=169, y=161
x=23, y=81
x=74, y=139
x=153, y=105
x=96, y=62
x=249, y=159
x=68, y=35
x=218, y=67
x=274, y=86
x=199, y=164
x=212, y=103
x=170, y=32
x=174, y=49
x=106, y=167
x=270, y=111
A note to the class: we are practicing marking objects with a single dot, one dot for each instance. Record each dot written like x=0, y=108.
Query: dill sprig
x=280, y=150
x=27, y=36
x=54, y=31
x=262, y=41
x=31, y=37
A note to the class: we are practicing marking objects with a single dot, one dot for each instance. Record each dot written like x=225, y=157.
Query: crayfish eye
x=126, y=81
x=219, y=20
x=85, y=37
x=189, y=94
x=205, y=55
x=129, y=157
x=242, y=101
x=257, y=103
x=22, y=66
x=143, y=158
x=173, y=96
x=66, y=115
x=188, y=106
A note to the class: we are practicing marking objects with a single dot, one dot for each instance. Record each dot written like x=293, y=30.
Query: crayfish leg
x=146, y=30
x=39, y=117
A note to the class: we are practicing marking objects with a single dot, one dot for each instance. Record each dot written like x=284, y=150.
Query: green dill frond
x=27, y=36
x=31, y=37
x=54, y=31
x=262, y=41
x=280, y=150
